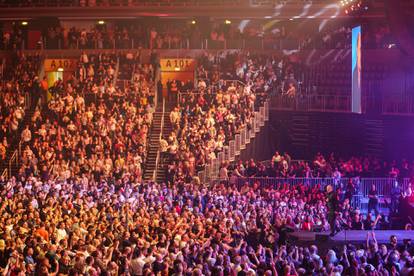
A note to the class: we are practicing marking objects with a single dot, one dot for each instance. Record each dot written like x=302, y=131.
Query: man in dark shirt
x=373, y=200
x=251, y=170
x=357, y=223
x=4, y=254
x=368, y=223
x=332, y=203
x=395, y=197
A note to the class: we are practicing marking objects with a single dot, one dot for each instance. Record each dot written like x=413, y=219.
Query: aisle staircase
x=154, y=142
x=10, y=166
x=155, y=165
x=163, y=161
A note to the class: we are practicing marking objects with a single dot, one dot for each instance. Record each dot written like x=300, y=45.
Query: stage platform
x=356, y=236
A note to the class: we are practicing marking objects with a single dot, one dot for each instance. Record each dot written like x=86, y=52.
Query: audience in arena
x=83, y=226
x=19, y=85
x=79, y=206
x=183, y=34
x=207, y=118
x=91, y=129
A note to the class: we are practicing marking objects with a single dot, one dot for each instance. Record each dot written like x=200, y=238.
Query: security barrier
x=362, y=186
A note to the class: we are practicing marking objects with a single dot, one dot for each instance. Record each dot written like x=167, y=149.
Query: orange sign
x=177, y=64
x=62, y=64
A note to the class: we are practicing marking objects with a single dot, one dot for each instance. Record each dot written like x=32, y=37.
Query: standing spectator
x=373, y=200
x=26, y=135
x=395, y=197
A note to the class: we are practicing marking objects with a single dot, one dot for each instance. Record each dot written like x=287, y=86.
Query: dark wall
x=304, y=134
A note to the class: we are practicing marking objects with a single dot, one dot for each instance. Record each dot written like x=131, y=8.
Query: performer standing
x=332, y=203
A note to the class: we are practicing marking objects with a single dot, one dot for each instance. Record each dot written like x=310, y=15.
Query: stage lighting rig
x=355, y=7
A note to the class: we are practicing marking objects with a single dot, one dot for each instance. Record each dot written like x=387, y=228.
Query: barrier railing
x=362, y=186
x=13, y=159
x=332, y=103
x=403, y=104
x=234, y=147
x=181, y=95
x=184, y=43
x=4, y=174
x=213, y=87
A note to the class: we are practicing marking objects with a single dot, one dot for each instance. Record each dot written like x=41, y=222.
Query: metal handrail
x=116, y=72
x=364, y=184
x=52, y=166
x=180, y=94
x=258, y=43
x=157, y=160
x=234, y=146
x=20, y=148
x=12, y=159
x=4, y=174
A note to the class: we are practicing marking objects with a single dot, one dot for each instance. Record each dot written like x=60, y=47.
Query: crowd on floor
x=133, y=228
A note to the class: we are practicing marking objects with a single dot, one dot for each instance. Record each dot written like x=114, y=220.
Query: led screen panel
x=356, y=69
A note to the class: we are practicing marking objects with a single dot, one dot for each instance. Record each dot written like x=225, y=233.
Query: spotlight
x=227, y=22
x=60, y=69
x=25, y=23
x=101, y=22
x=193, y=22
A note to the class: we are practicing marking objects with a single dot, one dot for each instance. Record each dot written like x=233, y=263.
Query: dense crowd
x=193, y=34
x=85, y=227
x=18, y=81
x=374, y=36
x=181, y=34
x=208, y=117
x=79, y=206
x=168, y=35
x=91, y=129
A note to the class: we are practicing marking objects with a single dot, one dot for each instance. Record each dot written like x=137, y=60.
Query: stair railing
x=20, y=149
x=157, y=160
x=4, y=174
x=116, y=72
x=51, y=167
x=234, y=146
x=12, y=160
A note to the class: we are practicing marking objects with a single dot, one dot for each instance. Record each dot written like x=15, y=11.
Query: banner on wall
x=52, y=65
x=177, y=64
